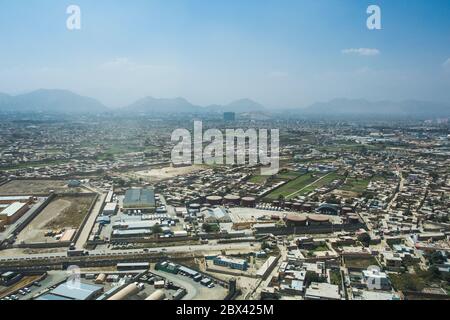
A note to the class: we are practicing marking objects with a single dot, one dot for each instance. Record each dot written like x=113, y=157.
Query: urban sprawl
x=359, y=210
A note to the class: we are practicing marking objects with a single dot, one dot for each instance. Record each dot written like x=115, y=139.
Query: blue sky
x=282, y=53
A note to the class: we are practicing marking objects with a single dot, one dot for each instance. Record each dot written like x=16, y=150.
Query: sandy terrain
x=167, y=172
x=63, y=212
x=18, y=187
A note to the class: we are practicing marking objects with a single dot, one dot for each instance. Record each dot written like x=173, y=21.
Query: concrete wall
x=313, y=229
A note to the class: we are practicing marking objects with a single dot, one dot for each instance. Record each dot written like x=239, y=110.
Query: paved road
x=84, y=236
x=244, y=246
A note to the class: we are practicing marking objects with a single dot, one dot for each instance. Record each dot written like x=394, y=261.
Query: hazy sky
x=280, y=53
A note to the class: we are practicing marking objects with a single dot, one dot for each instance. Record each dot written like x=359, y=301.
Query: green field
x=321, y=183
x=292, y=187
x=258, y=179
x=360, y=263
x=355, y=185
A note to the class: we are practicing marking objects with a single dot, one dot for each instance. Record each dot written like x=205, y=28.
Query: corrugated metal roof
x=139, y=198
x=81, y=291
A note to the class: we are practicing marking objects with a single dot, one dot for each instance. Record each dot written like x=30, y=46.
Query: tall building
x=229, y=116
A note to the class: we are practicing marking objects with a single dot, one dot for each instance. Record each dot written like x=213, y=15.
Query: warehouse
x=131, y=233
x=80, y=291
x=110, y=209
x=133, y=224
x=217, y=215
x=140, y=199
x=12, y=199
x=12, y=213
x=188, y=272
x=239, y=264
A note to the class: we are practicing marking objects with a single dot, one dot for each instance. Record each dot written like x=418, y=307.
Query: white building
x=374, y=279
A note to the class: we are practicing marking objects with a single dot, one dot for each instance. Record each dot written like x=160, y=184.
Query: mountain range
x=67, y=102
x=51, y=101
x=63, y=101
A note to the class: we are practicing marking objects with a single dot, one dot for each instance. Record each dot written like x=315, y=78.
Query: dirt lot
x=167, y=172
x=64, y=212
x=31, y=187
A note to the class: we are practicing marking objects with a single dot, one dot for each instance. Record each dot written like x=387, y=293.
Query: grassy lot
x=407, y=282
x=289, y=175
x=335, y=278
x=258, y=179
x=292, y=186
x=321, y=247
x=360, y=263
x=355, y=185
x=321, y=183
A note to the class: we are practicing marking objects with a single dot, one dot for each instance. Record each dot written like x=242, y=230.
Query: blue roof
x=81, y=291
x=51, y=297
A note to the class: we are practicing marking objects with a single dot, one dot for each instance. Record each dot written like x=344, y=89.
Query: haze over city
x=231, y=157
x=287, y=54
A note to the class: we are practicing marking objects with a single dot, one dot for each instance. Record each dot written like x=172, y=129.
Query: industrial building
x=239, y=264
x=132, y=233
x=12, y=199
x=13, y=212
x=78, y=291
x=216, y=215
x=110, y=209
x=140, y=199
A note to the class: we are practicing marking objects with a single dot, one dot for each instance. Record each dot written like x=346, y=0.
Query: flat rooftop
x=137, y=198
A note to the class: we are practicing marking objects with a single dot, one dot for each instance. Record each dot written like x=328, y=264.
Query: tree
x=365, y=239
x=157, y=229
x=312, y=276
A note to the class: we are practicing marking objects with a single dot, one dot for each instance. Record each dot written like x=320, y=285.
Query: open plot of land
x=64, y=212
x=325, y=180
x=292, y=187
x=360, y=262
x=167, y=172
x=355, y=185
x=33, y=187
x=258, y=179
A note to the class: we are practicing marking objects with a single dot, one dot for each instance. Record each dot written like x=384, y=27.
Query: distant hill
x=365, y=107
x=238, y=106
x=181, y=105
x=51, y=101
x=153, y=105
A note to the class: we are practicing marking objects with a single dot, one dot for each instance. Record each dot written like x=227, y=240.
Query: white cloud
x=362, y=51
